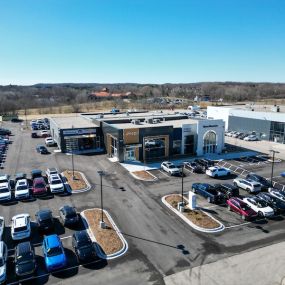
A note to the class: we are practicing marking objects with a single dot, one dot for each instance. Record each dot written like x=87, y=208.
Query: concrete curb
x=148, y=180
x=102, y=255
x=80, y=190
x=215, y=230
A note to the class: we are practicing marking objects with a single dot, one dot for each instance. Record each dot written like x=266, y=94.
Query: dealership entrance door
x=130, y=153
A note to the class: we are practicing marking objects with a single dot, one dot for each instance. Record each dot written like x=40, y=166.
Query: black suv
x=265, y=184
x=68, y=215
x=25, y=261
x=228, y=190
x=206, y=163
x=83, y=246
x=36, y=173
x=44, y=220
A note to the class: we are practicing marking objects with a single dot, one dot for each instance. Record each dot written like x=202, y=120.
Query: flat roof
x=76, y=122
x=171, y=123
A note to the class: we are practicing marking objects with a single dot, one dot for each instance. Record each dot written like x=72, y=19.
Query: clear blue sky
x=144, y=41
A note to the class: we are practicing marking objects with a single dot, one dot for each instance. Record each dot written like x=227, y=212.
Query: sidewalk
x=259, y=146
x=264, y=266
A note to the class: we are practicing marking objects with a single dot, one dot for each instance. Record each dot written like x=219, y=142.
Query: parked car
x=194, y=167
x=4, y=132
x=5, y=192
x=44, y=220
x=44, y=133
x=259, y=206
x=170, y=168
x=277, y=194
x=251, y=138
x=4, y=178
x=16, y=120
x=205, y=163
x=242, y=136
x=228, y=190
x=25, y=261
x=208, y=191
x=51, y=171
x=3, y=261
x=83, y=246
x=277, y=205
x=36, y=173
x=53, y=252
x=55, y=183
x=34, y=135
x=265, y=184
x=49, y=141
x=21, y=227
x=42, y=149
x=248, y=185
x=215, y=171
x=2, y=226
x=68, y=215
x=239, y=206
x=282, y=174
x=39, y=186
x=22, y=190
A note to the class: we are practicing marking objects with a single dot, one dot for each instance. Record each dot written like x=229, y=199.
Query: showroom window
x=210, y=142
x=189, y=144
x=154, y=147
x=176, y=147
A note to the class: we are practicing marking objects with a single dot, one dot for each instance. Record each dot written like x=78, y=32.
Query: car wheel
x=243, y=217
x=260, y=214
x=248, y=190
x=229, y=208
x=216, y=175
x=228, y=173
x=235, y=184
x=209, y=199
x=193, y=190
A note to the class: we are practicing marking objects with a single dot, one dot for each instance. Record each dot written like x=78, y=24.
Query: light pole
x=272, y=166
x=101, y=174
x=72, y=160
x=182, y=185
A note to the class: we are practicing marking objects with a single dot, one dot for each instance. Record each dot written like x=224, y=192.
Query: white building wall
x=188, y=129
x=219, y=113
x=203, y=126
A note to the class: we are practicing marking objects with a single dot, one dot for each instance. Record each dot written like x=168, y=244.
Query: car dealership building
x=141, y=136
x=265, y=125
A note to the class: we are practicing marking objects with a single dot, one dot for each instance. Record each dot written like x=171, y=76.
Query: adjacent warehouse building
x=266, y=125
x=139, y=136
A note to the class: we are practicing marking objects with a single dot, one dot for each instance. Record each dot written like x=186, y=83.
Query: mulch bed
x=197, y=217
x=75, y=184
x=143, y=175
x=107, y=238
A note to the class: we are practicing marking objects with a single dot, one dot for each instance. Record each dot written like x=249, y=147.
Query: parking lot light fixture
x=102, y=223
x=272, y=165
x=182, y=185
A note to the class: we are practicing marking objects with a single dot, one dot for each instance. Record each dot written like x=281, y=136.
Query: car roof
x=23, y=247
x=52, y=240
x=81, y=235
x=22, y=182
x=68, y=209
x=20, y=220
x=44, y=213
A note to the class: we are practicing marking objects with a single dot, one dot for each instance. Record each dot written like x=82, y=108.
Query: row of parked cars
x=40, y=124
x=52, y=248
x=242, y=136
x=264, y=204
x=36, y=185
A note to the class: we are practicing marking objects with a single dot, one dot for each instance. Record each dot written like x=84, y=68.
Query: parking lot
x=160, y=244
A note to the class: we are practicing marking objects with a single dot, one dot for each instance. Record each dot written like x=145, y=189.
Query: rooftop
x=75, y=122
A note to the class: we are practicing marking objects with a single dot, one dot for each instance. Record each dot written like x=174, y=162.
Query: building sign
x=131, y=136
x=77, y=132
x=210, y=126
x=187, y=128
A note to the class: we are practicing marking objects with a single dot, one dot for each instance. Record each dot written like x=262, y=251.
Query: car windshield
x=56, y=181
x=4, y=190
x=71, y=215
x=22, y=187
x=172, y=166
x=25, y=258
x=261, y=204
x=20, y=229
x=54, y=251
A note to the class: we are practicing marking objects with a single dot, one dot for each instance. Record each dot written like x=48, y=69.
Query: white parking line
x=163, y=173
x=239, y=225
x=54, y=272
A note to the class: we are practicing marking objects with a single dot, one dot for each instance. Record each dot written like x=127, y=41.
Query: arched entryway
x=210, y=142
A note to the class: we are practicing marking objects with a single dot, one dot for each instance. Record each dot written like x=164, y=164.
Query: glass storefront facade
x=210, y=142
x=277, y=132
x=154, y=147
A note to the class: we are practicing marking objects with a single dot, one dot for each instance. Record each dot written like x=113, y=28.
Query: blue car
x=211, y=193
x=53, y=251
x=282, y=174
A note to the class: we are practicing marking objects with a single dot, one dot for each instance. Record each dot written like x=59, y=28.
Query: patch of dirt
x=143, y=175
x=107, y=238
x=197, y=217
x=75, y=184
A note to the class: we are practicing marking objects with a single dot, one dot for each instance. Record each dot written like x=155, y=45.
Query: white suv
x=248, y=185
x=49, y=141
x=55, y=183
x=215, y=171
x=22, y=190
x=259, y=206
x=5, y=192
x=21, y=227
x=3, y=260
x=170, y=168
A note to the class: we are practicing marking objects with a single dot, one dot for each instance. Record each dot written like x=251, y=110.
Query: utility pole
x=182, y=185
x=102, y=223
